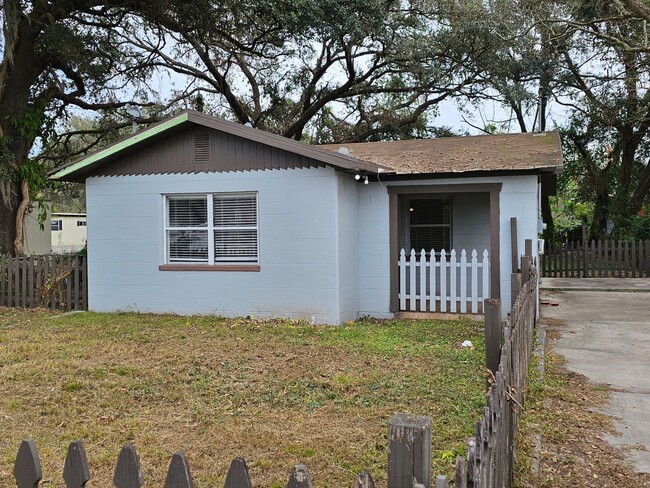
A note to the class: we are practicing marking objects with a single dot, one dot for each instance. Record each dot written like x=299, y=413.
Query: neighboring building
x=68, y=232
x=199, y=215
x=37, y=240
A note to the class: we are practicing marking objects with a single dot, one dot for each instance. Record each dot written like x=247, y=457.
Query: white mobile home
x=68, y=232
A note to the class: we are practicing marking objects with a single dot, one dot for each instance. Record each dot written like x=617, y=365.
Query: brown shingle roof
x=528, y=151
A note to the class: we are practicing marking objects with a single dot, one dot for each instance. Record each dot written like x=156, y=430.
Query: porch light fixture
x=357, y=177
x=365, y=180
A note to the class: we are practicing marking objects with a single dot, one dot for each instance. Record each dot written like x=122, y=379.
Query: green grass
x=275, y=392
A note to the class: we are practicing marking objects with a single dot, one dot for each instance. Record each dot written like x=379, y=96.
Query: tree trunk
x=9, y=202
x=601, y=212
x=19, y=240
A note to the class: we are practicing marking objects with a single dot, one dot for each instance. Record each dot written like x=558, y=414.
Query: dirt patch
x=563, y=408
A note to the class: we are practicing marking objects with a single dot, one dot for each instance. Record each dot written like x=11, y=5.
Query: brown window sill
x=209, y=267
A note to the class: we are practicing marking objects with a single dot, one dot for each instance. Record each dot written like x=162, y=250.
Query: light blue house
x=200, y=215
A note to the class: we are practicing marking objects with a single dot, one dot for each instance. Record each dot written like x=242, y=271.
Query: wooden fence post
x=525, y=269
x=409, y=451
x=492, y=335
x=515, y=288
x=528, y=248
x=513, y=244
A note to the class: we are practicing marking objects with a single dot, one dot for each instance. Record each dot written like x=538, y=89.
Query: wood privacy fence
x=443, y=282
x=409, y=464
x=491, y=452
x=51, y=281
x=596, y=259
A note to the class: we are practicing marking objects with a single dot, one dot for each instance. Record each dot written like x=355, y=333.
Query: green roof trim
x=139, y=137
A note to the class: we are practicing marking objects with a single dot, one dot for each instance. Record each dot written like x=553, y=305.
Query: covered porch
x=444, y=243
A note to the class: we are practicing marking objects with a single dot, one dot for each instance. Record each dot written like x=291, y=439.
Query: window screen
x=430, y=223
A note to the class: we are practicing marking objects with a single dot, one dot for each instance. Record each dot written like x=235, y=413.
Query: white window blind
x=235, y=228
x=212, y=228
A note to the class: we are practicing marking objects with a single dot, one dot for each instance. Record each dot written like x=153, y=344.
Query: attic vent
x=202, y=148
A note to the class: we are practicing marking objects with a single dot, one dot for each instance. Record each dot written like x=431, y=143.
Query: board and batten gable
x=305, y=247
x=200, y=149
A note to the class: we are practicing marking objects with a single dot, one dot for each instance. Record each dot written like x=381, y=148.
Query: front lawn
x=274, y=392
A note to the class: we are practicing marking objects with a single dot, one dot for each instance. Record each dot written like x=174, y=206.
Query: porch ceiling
x=525, y=152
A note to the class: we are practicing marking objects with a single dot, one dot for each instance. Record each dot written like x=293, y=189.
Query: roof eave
x=77, y=170
x=122, y=145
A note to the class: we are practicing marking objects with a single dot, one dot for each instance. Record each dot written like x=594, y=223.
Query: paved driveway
x=607, y=339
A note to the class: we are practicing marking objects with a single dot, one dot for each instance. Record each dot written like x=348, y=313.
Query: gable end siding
x=177, y=154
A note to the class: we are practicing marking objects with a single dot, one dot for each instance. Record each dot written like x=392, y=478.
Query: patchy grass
x=274, y=392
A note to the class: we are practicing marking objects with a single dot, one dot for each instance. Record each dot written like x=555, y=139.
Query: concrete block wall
x=298, y=246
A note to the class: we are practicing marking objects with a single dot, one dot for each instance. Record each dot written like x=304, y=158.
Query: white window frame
x=210, y=228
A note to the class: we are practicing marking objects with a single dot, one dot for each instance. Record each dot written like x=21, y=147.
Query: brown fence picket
x=68, y=283
x=364, y=480
x=77, y=301
x=299, y=477
x=128, y=473
x=76, y=472
x=23, y=284
x=237, y=476
x=27, y=468
x=178, y=475
x=3, y=272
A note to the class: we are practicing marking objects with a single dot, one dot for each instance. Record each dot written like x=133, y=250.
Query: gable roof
x=507, y=152
x=78, y=170
x=504, y=152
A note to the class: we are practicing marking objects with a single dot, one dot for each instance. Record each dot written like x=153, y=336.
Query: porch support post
x=393, y=231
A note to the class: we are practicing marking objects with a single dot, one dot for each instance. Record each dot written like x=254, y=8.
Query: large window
x=429, y=223
x=213, y=228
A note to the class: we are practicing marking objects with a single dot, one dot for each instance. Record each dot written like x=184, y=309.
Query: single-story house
x=68, y=232
x=198, y=215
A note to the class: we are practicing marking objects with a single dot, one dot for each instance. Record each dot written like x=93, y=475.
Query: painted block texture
x=304, y=247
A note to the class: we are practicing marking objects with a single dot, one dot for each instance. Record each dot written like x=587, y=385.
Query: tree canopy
x=331, y=71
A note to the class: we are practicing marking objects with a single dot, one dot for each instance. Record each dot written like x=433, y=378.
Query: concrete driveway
x=607, y=339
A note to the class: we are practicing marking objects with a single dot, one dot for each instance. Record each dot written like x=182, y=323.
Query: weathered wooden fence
x=409, y=464
x=596, y=259
x=490, y=453
x=51, y=281
x=443, y=282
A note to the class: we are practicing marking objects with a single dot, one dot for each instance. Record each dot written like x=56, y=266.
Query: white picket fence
x=431, y=282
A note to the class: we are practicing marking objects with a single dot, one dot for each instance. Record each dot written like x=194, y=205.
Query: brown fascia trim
x=459, y=188
x=494, y=189
x=386, y=176
x=210, y=267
